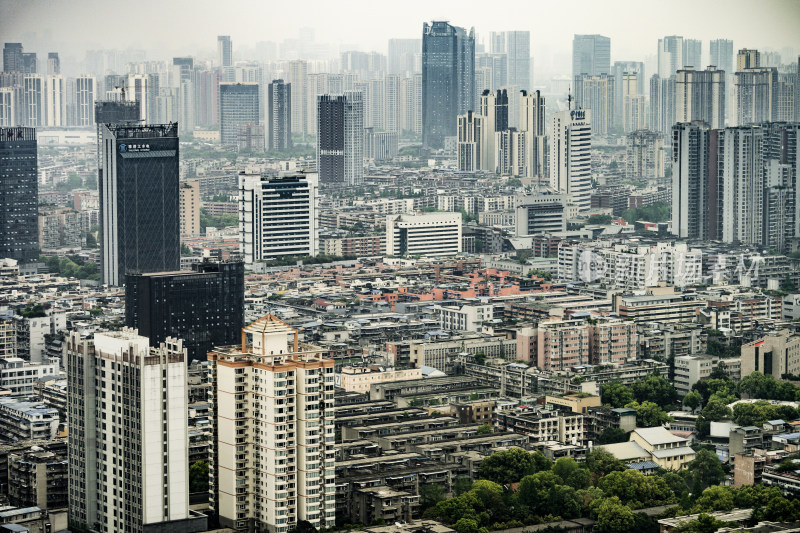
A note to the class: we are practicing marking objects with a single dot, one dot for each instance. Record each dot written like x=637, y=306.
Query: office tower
x=340, y=138
x=721, y=52
x=532, y=122
x=596, y=94
x=139, y=206
x=632, y=68
x=273, y=427
x=410, y=104
x=53, y=64
x=700, y=95
x=694, y=181
x=12, y=57
x=747, y=58
x=189, y=204
x=55, y=101
x=645, y=155
x=298, y=79
x=692, y=53
x=128, y=435
x=278, y=216
x=224, y=51
x=518, y=52
x=511, y=152
x=662, y=104
x=85, y=96
x=33, y=93
x=470, y=132
x=570, y=156
x=203, y=307
x=670, y=55
x=239, y=106
x=8, y=107
x=448, y=80
x=404, y=57
x=279, y=115
x=591, y=54
x=19, y=190
x=755, y=95
x=494, y=109
x=542, y=212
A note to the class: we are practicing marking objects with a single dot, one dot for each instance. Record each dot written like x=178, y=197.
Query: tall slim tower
x=139, y=201
x=448, y=80
x=532, y=122
x=721, y=52
x=273, y=420
x=340, y=138
x=591, y=54
x=596, y=94
x=279, y=119
x=298, y=79
x=570, y=156
x=85, y=97
x=700, y=95
x=19, y=189
x=694, y=181
x=662, y=104
x=33, y=93
x=469, y=141
x=128, y=435
x=55, y=101
x=494, y=109
x=692, y=53
x=518, y=52
x=225, y=51
x=53, y=64
x=670, y=55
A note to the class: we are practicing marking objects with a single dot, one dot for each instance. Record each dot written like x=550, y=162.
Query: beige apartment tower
x=190, y=208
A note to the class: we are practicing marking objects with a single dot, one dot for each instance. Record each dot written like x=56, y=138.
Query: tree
x=649, y=415
x=600, y=463
x=33, y=311
x=509, y=466
x=612, y=435
x=635, y=489
x=716, y=498
x=616, y=394
x=705, y=470
x=703, y=524
x=715, y=410
x=692, y=400
x=430, y=494
x=466, y=525
x=91, y=182
x=600, y=219
x=461, y=485
x=655, y=389
x=613, y=517
x=303, y=526
x=91, y=242
x=570, y=473
x=185, y=250
x=198, y=477
x=485, y=429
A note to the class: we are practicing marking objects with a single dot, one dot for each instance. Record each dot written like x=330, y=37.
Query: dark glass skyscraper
x=448, y=80
x=19, y=189
x=279, y=120
x=340, y=138
x=139, y=200
x=204, y=307
x=591, y=54
x=239, y=105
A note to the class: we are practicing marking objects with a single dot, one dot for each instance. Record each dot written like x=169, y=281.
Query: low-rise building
x=360, y=379
x=668, y=451
x=23, y=420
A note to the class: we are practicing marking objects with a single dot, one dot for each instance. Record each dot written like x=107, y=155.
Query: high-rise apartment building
x=340, y=138
x=139, y=200
x=279, y=119
x=511, y=151
x=494, y=109
x=53, y=64
x=203, y=307
x=273, y=424
x=662, y=104
x=85, y=97
x=189, y=204
x=755, y=93
x=570, y=156
x=628, y=84
x=405, y=56
x=239, y=105
x=700, y=95
x=694, y=194
x=19, y=194
x=626, y=72
x=721, y=55
x=128, y=435
x=591, y=55
x=532, y=122
x=468, y=149
x=8, y=106
x=747, y=58
x=645, y=155
x=518, y=52
x=33, y=94
x=692, y=53
x=448, y=80
x=670, y=56
x=410, y=104
x=278, y=216
x=298, y=79
x=55, y=101
x=597, y=94
x=225, y=51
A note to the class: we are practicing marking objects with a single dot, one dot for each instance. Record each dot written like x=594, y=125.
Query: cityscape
x=424, y=268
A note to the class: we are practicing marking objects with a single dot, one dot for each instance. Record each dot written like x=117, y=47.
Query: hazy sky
x=171, y=27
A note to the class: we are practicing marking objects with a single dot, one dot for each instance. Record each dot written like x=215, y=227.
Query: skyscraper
x=12, y=57
x=694, y=181
x=468, y=149
x=662, y=104
x=532, y=122
x=8, y=106
x=721, y=52
x=405, y=56
x=278, y=216
x=203, y=307
x=19, y=189
x=518, y=52
x=33, y=93
x=700, y=95
x=596, y=94
x=273, y=427
x=128, y=435
x=747, y=58
x=670, y=55
x=225, y=51
x=55, y=101
x=755, y=93
x=279, y=118
x=631, y=68
x=239, y=105
x=53, y=64
x=591, y=54
x=570, y=156
x=692, y=53
x=448, y=80
x=298, y=79
x=340, y=138
x=494, y=109
x=139, y=209
x=85, y=97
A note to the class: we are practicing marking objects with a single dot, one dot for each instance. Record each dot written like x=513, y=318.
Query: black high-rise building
x=448, y=80
x=139, y=200
x=204, y=307
x=279, y=120
x=12, y=57
x=19, y=194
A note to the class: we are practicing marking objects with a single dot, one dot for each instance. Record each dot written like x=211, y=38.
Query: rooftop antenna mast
x=569, y=98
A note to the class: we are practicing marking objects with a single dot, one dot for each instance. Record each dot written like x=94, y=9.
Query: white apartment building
x=21, y=377
x=468, y=317
x=278, y=216
x=128, y=434
x=429, y=234
x=689, y=369
x=273, y=449
x=570, y=155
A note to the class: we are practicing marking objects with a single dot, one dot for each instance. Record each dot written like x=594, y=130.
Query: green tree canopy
x=616, y=394
x=509, y=466
x=649, y=414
